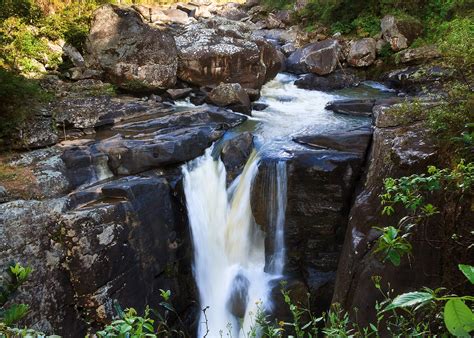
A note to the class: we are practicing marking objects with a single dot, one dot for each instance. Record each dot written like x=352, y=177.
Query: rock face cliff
x=400, y=147
x=104, y=225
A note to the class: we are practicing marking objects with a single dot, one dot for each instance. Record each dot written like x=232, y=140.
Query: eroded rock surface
x=133, y=55
x=320, y=58
x=215, y=51
x=400, y=149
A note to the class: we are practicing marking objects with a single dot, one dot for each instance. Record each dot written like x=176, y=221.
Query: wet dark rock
x=133, y=55
x=254, y=94
x=320, y=58
x=298, y=293
x=235, y=154
x=171, y=139
x=85, y=165
x=358, y=107
x=353, y=141
x=259, y=106
x=400, y=150
x=288, y=49
x=237, y=302
x=217, y=50
x=231, y=95
x=339, y=79
x=315, y=218
x=140, y=236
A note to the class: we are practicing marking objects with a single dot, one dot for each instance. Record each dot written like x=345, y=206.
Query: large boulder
x=231, y=95
x=133, y=55
x=218, y=51
x=338, y=79
x=320, y=58
x=362, y=53
x=400, y=33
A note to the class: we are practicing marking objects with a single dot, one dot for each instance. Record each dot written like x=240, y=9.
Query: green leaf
x=14, y=313
x=468, y=271
x=394, y=257
x=458, y=318
x=409, y=299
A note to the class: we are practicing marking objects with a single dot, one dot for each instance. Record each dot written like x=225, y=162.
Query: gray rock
x=3, y=194
x=132, y=54
x=218, y=51
x=338, y=79
x=362, y=53
x=358, y=107
x=320, y=58
x=162, y=141
x=417, y=55
x=400, y=33
x=36, y=132
x=177, y=94
x=353, y=141
x=288, y=48
x=73, y=54
x=231, y=95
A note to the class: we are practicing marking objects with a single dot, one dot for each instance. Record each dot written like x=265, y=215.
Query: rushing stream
x=229, y=258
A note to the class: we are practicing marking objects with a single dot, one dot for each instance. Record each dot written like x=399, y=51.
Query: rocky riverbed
x=99, y=210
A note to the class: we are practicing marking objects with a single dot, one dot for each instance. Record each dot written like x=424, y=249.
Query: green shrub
x=19, y=97
x=24, y=9
x=367, y=25
x=278, y=4
x=71, y=24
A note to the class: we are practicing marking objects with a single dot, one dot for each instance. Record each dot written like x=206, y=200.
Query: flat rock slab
x=352, y=107
x=166, y=140
x=352, y=141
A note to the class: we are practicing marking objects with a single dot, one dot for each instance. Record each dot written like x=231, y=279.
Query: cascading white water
x=229, y=261
x=229, y=248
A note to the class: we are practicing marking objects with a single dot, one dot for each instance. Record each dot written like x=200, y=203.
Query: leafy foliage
x=15, y=312
x=412, y=193
x=458, y=317
x=19, y=97
x=130, y=324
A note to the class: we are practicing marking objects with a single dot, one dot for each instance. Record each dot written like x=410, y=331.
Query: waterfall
x=229, y=258
x=277, y=186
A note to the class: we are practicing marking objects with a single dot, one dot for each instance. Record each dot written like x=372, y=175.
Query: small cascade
x=277, y=186
x=229, y=248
